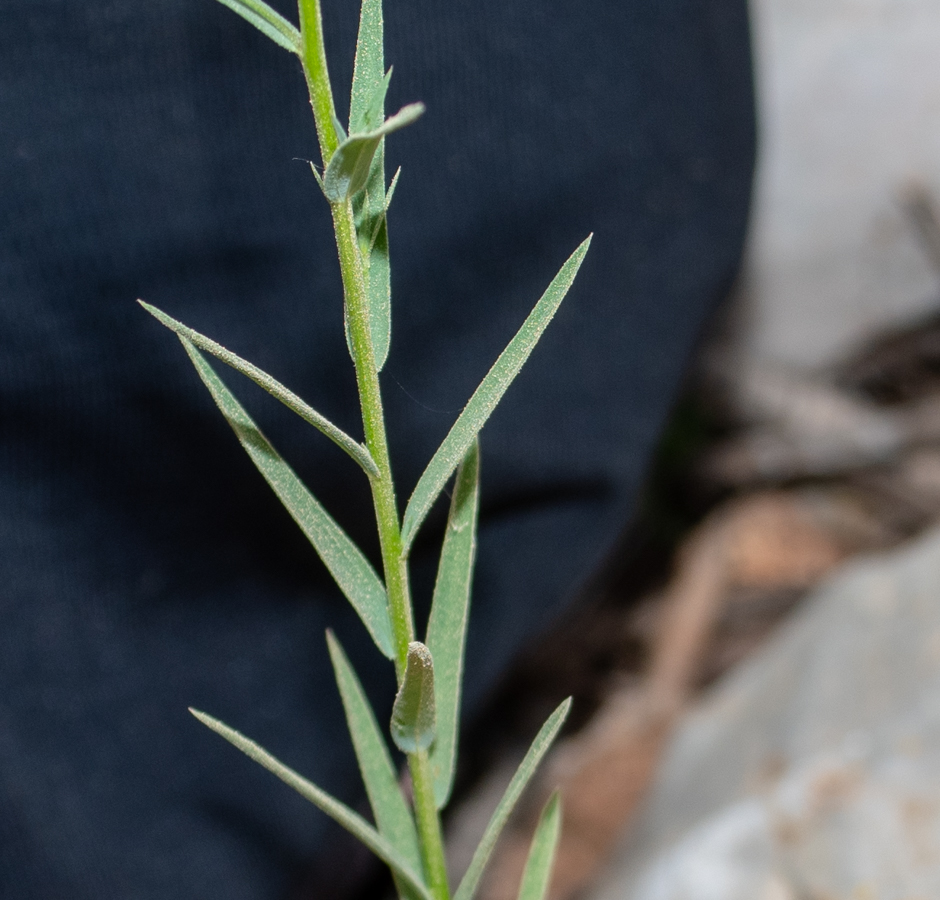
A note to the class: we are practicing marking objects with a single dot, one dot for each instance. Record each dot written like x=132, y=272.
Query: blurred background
x=719, y=476
x=768, y=722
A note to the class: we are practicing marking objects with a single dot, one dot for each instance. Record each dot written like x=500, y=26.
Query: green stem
x=429, y=825
x=394, y=562
x=313, y=57
x=394, y=559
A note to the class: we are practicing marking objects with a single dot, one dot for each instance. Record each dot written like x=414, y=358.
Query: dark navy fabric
x=155, y=150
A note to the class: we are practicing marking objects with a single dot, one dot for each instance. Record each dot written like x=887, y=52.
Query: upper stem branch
x=313, y=57
x=394, y=559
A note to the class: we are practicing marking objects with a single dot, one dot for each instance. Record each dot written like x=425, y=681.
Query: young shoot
x=405, y=832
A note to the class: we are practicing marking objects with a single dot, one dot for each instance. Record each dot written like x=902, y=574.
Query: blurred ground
x=766, y=483
x=809, y=433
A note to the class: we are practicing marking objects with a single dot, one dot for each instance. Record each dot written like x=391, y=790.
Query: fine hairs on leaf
x=366, y=113
x=357, y=451
x=425, y=716
x=348, y=169
x=339, y=812
x=486, y=396
x=345, y=561
x=270, y=23
x=392, y=816
x=414, y=717
x=543, y=740
x=450, y=610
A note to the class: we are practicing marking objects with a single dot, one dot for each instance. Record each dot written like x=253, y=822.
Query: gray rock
x=812, y=772
x=848, y=98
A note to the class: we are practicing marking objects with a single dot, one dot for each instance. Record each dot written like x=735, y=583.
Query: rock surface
x=811, y=772
x=850, y=153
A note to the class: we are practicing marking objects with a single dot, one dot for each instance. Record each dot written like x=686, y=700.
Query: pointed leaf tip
x=389, y=808
x=270, y=23
x=537, y=875
x=543, y=740
x=339, y=812
x=348, y=168
x=414, y=715
x=486, y=397
x=352, y=572
x=277, y=390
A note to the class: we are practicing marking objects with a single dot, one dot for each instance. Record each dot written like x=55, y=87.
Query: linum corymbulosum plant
x=406, y=833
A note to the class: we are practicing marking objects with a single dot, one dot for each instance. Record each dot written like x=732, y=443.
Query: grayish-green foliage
x=357, y=451
x=543, y=740
x=414, y=718
x=339, y=812
x=537, y=875
x=426, y=712
x=486, y=396
x=267, y=21
x=351, y=570
x=392, y=816
x=447, y=626
x=366, y=113
x=348, y=169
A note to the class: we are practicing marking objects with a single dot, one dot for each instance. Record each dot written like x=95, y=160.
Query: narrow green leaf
x=413, y=715
x=349, y=568
x=380, y=295
x=270, y=23
x=339, y=812
x=317, y=177
x=538, y=868
x=377, y=226
x=391, y=813
x=447, y=626
x=356, y=450
x=374, y=114
x=371, y=206
x=349, y=166
x=539, y=748
x=368, y=69
x=340, y=131
x=367, y=113
x=486, y=396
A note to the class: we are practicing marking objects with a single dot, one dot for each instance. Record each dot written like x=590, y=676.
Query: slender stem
x=373, y=421
x=313, y=57
x=357, y=316
x=429, y=825
x=394, y=559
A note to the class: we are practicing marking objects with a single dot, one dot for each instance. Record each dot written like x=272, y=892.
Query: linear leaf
x=371, y=208
x=368, y=69
x=538, y=868
x=413, y=715
x=349, y=166
x=317, y=177
x=270, y=23
x=349, y=568
x=490, y=391
x=391, y=191
x=366, y=113
x=392, y=815
x=357, y=451
x=447, y=626
x=339, y=812
x=380, y=294
x=543, y=740
x=374, y=114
